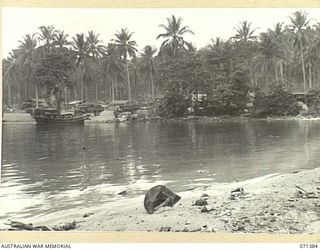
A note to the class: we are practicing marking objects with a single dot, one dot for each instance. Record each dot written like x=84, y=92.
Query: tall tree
x=299, y=24
x=10, y=71
x=270, y=50
x=281, y=38
x=245, y=32
x=314, y=51
x=61, y=40
x=95, y=50
x=127, y=49
x=47, y=36
x=247, y=46
x=53, y=71
x=60, y=43
x=80, y=47
x=113, y=66
x=174, y=32
x=148, y=67
x=216, y=43
x=27, y=51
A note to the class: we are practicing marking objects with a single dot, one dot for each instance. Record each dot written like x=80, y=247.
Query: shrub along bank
x=233, y=101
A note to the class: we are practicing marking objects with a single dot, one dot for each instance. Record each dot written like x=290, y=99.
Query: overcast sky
x=206, y=23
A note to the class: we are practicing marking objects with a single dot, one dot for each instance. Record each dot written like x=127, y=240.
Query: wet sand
x=269, y=204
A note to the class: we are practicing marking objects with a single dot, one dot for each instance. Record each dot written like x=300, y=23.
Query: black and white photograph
x=190, y=120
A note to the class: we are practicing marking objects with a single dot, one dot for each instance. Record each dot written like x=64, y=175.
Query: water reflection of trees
x=120, y=154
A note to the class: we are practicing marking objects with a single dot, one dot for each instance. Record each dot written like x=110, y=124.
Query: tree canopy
x=224, y=72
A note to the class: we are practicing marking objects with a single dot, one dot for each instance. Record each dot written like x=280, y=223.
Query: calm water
x=47, y=169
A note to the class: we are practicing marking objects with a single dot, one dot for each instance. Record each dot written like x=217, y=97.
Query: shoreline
x=269, y=204
x=25, y=118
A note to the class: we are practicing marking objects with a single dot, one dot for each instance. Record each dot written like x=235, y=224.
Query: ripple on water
x=8, y=165
x=159, y=153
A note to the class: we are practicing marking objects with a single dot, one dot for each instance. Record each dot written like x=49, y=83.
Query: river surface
x=49, y=169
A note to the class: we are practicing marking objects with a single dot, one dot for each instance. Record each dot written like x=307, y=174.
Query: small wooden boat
x=51, y=115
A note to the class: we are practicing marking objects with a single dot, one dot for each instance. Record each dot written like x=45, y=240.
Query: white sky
x=206, y=23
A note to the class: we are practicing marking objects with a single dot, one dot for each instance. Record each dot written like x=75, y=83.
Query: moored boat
x=51, y=115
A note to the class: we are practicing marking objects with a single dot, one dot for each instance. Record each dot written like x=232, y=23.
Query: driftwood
x=17, y=225
x=302, y=189
x=306, y=194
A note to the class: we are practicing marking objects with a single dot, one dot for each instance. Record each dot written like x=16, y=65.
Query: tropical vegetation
x=180, y=79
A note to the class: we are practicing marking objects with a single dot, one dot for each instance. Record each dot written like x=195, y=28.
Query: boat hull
x=45, y=120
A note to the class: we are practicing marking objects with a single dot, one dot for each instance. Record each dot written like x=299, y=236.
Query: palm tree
x=174, y=32
x=95, y=51
x=299, y=25
x=245, y=32
x=147, y=65
x=47, y=35
x=126, y=48
x=113, y=66
x=284, y=48
x=314, y=48
x=316, y=37
x=26, y=57
x=10, y=66
x=80, y=46
x=215, y=43
x=269, y=49
x=134, y=75
x=60, y=43
x=246, y=47
x=61, y=40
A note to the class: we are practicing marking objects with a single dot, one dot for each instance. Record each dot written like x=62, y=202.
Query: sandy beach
x=278, y=203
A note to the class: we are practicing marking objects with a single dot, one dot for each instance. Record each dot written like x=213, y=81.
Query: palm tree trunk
x=113, y=93
x=37, y=103
x=96, y=93
x=65, y=95
x=152, y=87
x=9, y=94
x=110, y=89
x=310, y=75
x=288, y=70
x=96, y=86
x=129, y=87
x=112, y=86
x=29, y=85
x=75, y=93
x=81, y=84
x=19, y=94
x=304, y=73
x=105, y=88
x=281, y=72
x=267, y=75
x=25, y=90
